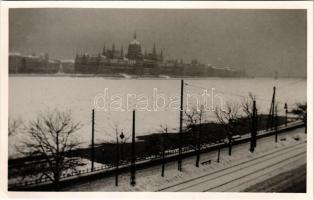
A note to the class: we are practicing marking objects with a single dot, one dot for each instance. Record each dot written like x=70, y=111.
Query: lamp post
x=133, y=156
x=276, y=124
x=218, y=156
x=286, y=109
x=122, y=143
x=117, y=160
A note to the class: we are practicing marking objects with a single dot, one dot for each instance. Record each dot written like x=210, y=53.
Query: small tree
x=301, y=111
x=247, y=106
x=51, y=139
x=193, y=120
x=229, y=117
x=251, y=117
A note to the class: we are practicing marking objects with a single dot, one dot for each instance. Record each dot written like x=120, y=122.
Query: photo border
x=5, y=6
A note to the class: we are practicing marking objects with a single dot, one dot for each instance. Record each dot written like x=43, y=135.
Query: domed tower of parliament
x=134, y=50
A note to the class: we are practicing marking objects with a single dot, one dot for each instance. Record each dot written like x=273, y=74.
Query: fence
x=122, y=163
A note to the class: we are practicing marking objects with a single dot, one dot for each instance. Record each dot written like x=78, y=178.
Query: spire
x=104, y=50
x=134, y=35
x=154, y=49
x=122, y=53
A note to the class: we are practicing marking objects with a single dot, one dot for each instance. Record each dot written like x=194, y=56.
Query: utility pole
x=180, y=134
x=253, y=130
x=305, y=121
x=198, y=145
x=93, y=129
x=256, y=126
x=286, y=109
x=133, y=152
x=276, y=124
x=271, y=111
x=218, y=156
x=230, y=140
x=117, y=159
x=163, y=153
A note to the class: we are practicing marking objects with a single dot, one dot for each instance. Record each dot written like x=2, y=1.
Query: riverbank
x=147, y=146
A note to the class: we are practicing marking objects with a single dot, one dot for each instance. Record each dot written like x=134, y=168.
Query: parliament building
x=113, y=61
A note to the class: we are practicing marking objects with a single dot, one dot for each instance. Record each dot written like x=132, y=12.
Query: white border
x=161, y=5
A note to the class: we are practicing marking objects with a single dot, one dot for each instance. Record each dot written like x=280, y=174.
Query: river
x=29, y=96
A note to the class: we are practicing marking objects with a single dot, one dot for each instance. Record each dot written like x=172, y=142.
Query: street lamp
x=286, y=109
x=122, y=143
x=121, y=135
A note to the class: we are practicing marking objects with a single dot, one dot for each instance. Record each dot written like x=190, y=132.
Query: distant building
x=67, y=66
x=135, y=50
x=113, y=53
x=153, y=56
x=32, y=64
x=135, y=61
x=112, y=61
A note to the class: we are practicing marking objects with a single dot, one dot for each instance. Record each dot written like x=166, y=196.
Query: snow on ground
x=272, y=177
x=85, y=164
x=150, y=179
x=288, y=181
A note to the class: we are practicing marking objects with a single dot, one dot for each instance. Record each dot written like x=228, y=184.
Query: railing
x=122, y=163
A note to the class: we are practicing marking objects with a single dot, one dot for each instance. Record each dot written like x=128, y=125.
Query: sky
x=259, y=41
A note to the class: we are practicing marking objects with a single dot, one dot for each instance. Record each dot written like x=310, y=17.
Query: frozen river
x=29, y=96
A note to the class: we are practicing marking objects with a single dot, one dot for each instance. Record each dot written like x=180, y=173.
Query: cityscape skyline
x=259, y=41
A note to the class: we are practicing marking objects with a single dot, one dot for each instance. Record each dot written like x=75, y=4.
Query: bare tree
x=193, y=120
x=229, y=117
x=250, y=111
x=51, y=140
x=247, y=105
x=14, y=126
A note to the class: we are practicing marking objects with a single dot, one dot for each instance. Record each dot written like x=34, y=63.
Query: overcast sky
x=260, y=41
